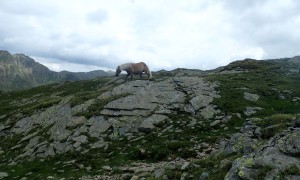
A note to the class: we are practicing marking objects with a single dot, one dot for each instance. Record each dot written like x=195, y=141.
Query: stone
x=208, y=112
x=28, y=137
x=204, y=176
x=251, y=110
x=55, y=118
x=98, y=125
x=292, y=177
x=120, y=113
x=226, y=119
x=280, y=153
x=296, y=99
x=62, y=147
x=99, y=144
x=159, y=173
x=201, y=101
x=225, y=163
x=3, y=175
x=32, y=142
x=238, y=143
x=144, y=169
x=3, y=127
x=297, y=123
x=189, y=108
x=16, y=146
x=77, y=144
x=49, y=152
x=192, y=123
x=183, y=176
x=185, y=166
x=61, y=134
x=76, y=121
x=131, y=102
x=41, y=149
x=81, y=139
x=134, y=177
x=165, y=177
x=290, y=144
x=214, y=123
x=149, y=123
x=162, y=110
x=251, y=97
x=107, y=168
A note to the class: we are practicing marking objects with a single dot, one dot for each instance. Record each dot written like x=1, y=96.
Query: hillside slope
x=22, y=72
x=240, y=121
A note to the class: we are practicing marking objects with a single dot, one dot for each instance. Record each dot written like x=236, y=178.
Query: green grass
x=276, y=123
x=211, y=164
x=262, y=171
x=292, y=170
x=266, y=81
x=268, y=85
x=48, y=95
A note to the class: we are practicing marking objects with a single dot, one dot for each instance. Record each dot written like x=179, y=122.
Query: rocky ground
x=236, y=122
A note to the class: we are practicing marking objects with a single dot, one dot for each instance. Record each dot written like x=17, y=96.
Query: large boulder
x=149, y=123
x=274, y=158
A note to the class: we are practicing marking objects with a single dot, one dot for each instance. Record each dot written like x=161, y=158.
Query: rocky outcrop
x=147, y=100
x=149, y=123
x=170, y=127
x=273, y=159
x=132, y=107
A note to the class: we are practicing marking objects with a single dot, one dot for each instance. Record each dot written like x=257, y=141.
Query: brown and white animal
x=134, y=69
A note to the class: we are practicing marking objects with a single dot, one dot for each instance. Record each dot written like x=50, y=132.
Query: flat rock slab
x=150, y=122
x=82, y=139
x=131, y=102
x=201, y=101
x=97, y=125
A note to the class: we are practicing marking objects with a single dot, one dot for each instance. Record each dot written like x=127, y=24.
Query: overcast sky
x=84, y=35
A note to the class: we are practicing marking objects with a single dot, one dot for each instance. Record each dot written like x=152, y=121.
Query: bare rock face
x=290, y=144
x=201, y=101
x=132, y=107
x=150, y=122
x=280, y=154
x=147, y=102
x=97, y=125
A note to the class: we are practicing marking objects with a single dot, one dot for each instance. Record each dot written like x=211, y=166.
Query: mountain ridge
x=19, y=71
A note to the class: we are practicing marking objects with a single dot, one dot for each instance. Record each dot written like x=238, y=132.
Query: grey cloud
x=28, y=8
x=167, y=33
x=240, y=5
x=267, y=24
x=98, y=16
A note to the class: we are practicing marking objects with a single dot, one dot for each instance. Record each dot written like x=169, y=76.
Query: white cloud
x=166, y=34
x=60, y=65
